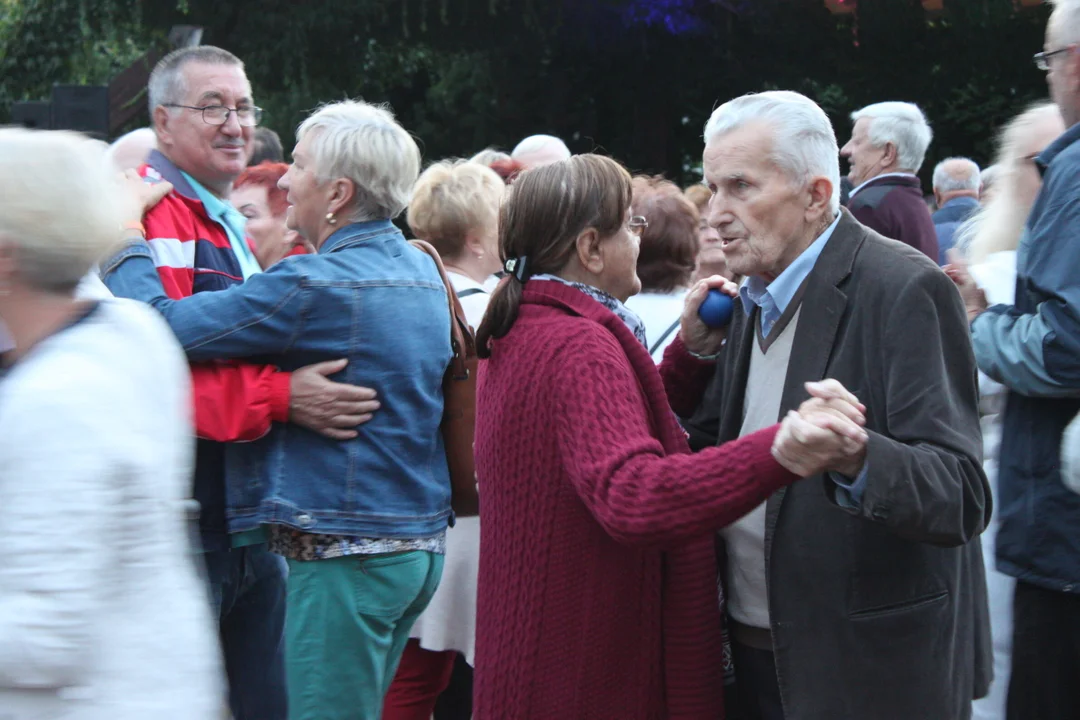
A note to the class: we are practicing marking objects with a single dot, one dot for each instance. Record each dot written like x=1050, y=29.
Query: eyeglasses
x=248, y=116
x=637, y=225
x=1042, y=60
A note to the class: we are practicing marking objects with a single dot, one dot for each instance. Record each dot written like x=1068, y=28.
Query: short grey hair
x=166, y=83
x=538, y=143
x=804, y=143
x=362, y=142
x=902, y=124
x=56, y=249
x=963, y=175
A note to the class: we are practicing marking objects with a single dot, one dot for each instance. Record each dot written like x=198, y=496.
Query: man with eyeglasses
x=1033, y=348
x=204, y=119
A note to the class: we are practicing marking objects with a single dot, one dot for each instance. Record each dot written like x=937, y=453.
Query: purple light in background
x=676, y=16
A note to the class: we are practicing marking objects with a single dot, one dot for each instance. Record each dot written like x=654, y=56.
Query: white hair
x=902, y=124
x=129, y=151
x=1067, y=22
x=999, y=223
x=487, y=156
x=804, y=143
x=362, y=142
x=955, y=174
x=166, y=84
x=541, y=143
x=56, y=249
x=988, y=176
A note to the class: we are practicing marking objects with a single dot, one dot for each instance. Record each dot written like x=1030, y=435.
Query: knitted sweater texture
x=598, y=578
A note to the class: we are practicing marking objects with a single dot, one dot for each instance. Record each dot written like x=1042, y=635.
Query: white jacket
x=102, y=613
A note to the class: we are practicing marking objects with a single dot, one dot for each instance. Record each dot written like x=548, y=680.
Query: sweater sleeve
x=636, y=491
x=685, y=377
x=61, y=500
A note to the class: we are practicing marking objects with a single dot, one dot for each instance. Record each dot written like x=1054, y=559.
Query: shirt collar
x=878, y=177
x=1057, y=147
x=232, y=220
x=463, y=282
x=960, y=201
x=783, y=288
x=358, y=232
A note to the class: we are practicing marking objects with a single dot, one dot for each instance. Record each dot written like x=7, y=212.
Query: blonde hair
x=487, y=156
x=55, y=246
x=362, y=142
x=451, y=199
x=998, y=225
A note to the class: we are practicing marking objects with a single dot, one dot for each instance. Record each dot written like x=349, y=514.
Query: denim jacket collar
x=1057, y=147
x=355, y=233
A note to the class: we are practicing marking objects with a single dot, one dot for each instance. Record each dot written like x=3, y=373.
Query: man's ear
x=161, y=119
x=820, y=193
x=892, y=154
x=588, y=251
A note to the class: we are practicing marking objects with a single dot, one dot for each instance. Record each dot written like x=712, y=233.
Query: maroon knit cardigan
x=598, y=575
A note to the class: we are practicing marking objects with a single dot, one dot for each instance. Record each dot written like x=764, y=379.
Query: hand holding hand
x=826, y=434
x=698, y=337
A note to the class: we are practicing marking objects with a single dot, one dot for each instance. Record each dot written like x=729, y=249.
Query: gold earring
x=331, y=219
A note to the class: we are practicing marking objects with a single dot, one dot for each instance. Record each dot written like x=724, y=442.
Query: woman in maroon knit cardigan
x=598, y=578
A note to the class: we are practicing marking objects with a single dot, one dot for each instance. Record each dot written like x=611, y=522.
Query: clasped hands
x=826, y=433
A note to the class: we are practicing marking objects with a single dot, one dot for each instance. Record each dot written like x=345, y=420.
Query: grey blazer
x=878, y=613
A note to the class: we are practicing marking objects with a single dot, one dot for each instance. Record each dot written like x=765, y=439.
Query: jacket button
x=304, y=520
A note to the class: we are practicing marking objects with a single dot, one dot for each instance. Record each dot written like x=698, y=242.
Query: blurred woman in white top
x=455, y=207
x=102, y=614
x=987, y=246
x=667, y=259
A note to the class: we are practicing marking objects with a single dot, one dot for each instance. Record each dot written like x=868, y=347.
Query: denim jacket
x=367, y=296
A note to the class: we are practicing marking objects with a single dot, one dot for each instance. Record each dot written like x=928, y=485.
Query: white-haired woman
x=102, y=614
x=455, y=207
x=362, y=521
x=989, y=241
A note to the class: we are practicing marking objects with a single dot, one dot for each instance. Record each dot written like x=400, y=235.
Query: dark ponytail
x=539, y=223
x=502, y=311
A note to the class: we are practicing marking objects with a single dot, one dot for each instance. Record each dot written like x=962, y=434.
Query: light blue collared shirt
x=233, y=221
x=773, y=299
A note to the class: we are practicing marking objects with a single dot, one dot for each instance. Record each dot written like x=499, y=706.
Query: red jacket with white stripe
x=233, y=401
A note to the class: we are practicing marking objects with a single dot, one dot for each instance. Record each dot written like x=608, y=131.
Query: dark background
x=632, y=78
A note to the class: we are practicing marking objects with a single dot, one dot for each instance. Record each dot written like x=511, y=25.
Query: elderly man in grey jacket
x=859, y=594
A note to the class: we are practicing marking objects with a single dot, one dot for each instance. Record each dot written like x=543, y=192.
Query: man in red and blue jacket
x=204, y=119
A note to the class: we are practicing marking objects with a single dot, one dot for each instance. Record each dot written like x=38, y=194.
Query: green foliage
x=465, y=74
x=45, y=42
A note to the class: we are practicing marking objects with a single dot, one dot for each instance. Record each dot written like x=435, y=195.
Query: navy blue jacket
x=1033, y=348
x=951, y=216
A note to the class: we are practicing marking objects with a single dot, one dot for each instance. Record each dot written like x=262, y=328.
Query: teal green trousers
x=346, y=624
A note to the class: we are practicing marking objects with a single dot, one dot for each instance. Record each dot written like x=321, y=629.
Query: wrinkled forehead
x=748, y=149
x=206, y=83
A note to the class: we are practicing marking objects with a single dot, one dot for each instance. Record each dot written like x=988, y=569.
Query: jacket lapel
x=731, y=411
x=823, y=307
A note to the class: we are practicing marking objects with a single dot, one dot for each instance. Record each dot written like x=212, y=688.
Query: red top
x=585, y=477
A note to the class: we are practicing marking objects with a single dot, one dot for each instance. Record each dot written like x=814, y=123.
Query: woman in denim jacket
x=361, y=521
